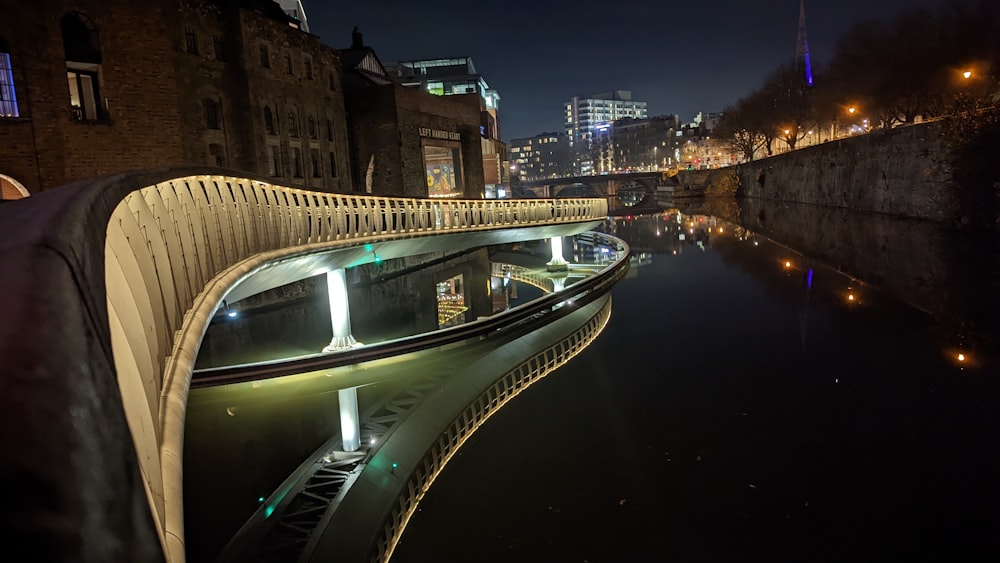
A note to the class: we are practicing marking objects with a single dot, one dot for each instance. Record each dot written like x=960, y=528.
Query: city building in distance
x=542, y=156
x=645, y=145
x=588, y=120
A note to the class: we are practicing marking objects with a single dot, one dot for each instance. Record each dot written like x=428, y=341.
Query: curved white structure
x=176, y=249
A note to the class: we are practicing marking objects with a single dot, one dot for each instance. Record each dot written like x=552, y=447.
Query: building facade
x=542, y=156
x=645, y=145
x=407, y=142
x=96, y=87
x=588, y=120
x=458, y=76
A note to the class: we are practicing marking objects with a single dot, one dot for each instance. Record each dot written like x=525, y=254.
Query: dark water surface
x=741, y=406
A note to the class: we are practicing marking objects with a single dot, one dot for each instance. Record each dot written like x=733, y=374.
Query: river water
x=783, y=386
x=776, y=383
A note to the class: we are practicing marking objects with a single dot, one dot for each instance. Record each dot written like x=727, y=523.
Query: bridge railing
x=176, y=247
x=126, y=271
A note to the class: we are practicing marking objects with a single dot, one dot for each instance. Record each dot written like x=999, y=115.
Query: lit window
x=8, y=97
x=83, y=67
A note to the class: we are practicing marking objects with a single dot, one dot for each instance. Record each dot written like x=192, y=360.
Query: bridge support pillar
x=558, y=284
x=350, y=422
x=558, y=263
x=340, y=312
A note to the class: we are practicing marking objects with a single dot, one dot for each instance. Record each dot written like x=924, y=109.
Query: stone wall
x=903, y=172
x=46, y=147
x=154, y=83
x=386, y=123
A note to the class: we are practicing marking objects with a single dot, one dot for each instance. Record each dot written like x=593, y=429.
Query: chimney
x=356, y=41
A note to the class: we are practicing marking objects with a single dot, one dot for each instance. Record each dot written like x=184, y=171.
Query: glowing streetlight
x=851, y=110
x=788, y=263
x=961, y=357
x=967, y=74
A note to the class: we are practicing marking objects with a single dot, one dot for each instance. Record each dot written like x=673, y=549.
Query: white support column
x=350, y=423
x=340, y=312
x=558, y=284
x=558, y=263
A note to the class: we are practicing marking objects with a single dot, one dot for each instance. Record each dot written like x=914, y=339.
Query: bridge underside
x=311, y=263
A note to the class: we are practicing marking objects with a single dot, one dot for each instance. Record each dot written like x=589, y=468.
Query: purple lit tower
x=802, y=46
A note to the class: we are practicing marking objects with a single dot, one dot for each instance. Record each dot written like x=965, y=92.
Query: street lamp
x=967, y=74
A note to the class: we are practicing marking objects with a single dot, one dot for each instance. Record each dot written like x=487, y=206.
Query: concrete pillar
x=350, y=422
x=558, y=263
x=340, y=312
x=558, y=284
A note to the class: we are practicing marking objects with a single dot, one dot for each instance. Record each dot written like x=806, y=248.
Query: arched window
x=311, y=127
x=269, y=124
x=293, y=124
x=8, y=97
x=83, y=66
x=213, y=120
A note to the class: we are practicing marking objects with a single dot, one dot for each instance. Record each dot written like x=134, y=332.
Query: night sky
x=681, y=57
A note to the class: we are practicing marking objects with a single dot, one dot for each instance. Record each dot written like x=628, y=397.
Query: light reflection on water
x=741, y=405
x=787, y=379
x=243, y=440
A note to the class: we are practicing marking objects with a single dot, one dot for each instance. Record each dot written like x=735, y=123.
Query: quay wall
x=942, y=171
x=905, y=172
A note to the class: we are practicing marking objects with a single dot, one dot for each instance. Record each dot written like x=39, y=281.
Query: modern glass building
x=588, y=122
x=585, y=116
x=295, y=11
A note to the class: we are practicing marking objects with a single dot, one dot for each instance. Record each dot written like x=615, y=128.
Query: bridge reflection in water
x=115, y=281
x=355, y=505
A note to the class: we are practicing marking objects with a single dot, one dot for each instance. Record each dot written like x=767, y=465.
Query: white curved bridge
x=166, y=248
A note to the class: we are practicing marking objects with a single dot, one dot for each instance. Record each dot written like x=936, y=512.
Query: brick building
x=407, y=142
x=94, y=87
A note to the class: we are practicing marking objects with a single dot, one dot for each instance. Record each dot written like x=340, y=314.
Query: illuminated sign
x=439, y=134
